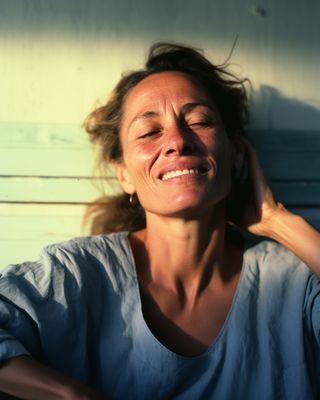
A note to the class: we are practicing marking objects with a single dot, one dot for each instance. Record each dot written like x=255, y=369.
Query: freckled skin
x=170, y=123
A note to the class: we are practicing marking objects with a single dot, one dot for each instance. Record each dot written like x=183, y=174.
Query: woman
x=184, y=306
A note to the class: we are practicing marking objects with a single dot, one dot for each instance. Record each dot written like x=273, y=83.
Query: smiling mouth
x=180, y=172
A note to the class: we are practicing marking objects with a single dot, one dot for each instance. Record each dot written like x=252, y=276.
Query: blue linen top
x=79, y=310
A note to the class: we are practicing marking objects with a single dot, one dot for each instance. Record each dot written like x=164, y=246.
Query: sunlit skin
x=188, y=268
x=188, y=271
x=170, y=124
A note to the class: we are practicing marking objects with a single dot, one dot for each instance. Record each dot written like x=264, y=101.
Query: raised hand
x=252, y=204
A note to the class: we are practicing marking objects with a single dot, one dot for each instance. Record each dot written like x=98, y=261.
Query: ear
x=123, y=176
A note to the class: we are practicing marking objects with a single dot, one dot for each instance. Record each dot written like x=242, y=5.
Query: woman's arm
x=264, y=216
x=28, y=379
x=298, y=236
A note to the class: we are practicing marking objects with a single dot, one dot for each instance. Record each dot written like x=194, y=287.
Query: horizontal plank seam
x=302, y=206
x=98, y=178
x=58, y=177
x=290, y=205
x=294, y=180
x=46, y=202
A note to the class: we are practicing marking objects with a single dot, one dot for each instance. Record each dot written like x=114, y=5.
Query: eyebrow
x=144, y=115
x=185, y=109
x=188, y=107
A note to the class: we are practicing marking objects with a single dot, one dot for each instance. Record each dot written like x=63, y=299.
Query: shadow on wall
x=286, y=134
x=272, y=110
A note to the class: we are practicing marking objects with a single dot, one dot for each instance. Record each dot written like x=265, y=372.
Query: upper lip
x=201, y=166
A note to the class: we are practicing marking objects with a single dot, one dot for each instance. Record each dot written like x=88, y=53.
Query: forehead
x=159, y=88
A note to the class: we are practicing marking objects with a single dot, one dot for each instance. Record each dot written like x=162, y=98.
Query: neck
x=183, y=255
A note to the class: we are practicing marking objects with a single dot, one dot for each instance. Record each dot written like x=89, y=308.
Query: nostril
x=179, y=142
x=186, y=148
x=171, y=151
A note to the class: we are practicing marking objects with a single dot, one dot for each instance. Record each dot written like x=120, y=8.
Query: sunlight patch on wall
x=57, y=81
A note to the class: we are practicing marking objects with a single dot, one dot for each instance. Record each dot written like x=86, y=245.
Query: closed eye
x=205, y=124
x=149, y=134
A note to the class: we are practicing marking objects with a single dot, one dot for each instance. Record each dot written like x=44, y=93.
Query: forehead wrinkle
x=189, y=107
x=185, y=109
x=143, y=116
x=166, y=101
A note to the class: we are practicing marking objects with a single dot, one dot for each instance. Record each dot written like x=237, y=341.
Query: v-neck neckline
x=225, y=324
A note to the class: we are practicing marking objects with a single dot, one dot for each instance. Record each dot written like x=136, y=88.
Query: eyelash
x=202, y=123
x=150, y=133
x=205, y=124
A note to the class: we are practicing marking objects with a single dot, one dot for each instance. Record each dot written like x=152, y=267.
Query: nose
x=179, y=141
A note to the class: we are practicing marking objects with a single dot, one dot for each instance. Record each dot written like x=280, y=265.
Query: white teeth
x=179, y=172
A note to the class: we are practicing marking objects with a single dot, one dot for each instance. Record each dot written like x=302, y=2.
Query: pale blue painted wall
x=58, y=59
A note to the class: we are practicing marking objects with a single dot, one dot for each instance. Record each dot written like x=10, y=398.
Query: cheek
x=140, y=158
x=137, y=168
x=147, y=151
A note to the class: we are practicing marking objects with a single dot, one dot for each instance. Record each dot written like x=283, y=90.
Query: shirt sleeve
x=34, y=297
x=46, y=309
x=18, y=333
x=312, y=325
x=312, y=309
x=18, y=330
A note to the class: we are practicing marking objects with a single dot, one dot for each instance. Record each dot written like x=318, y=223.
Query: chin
x=191, y=209
x=186, y=203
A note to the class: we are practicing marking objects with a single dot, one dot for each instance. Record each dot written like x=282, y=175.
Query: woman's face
x=176, y=153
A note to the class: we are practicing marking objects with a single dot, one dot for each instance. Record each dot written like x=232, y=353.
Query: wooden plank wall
x=59, y=58
x=291, y=159
x=46, y=180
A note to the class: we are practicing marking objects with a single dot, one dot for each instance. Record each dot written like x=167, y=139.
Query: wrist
x=281, y=224
x=295, y=233
x=274, y=223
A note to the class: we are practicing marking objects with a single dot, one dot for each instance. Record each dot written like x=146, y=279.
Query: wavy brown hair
x=116, y=213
